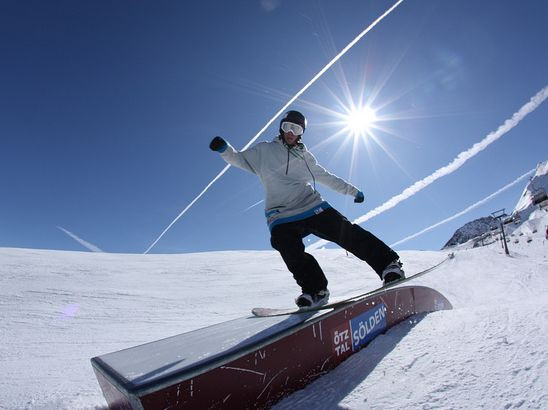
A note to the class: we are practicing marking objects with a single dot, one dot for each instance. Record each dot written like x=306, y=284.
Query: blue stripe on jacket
x=306, y=214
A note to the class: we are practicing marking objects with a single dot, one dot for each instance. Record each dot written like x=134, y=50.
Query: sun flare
x=360, y=120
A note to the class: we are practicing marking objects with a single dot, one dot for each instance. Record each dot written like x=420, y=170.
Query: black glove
x=359, y=197
x=217, y=144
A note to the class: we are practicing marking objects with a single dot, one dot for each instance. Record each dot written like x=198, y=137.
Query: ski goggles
x=296, y=129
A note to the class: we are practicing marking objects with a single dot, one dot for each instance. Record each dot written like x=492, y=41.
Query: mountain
x=533, y=196
x=471, y=230
x=534, y=193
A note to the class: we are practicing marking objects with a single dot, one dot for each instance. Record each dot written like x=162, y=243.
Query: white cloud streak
x=281, y=111
x=458, y=162
x=465, y=211
x=254, y=205
x=219, y=175
x=82, y=242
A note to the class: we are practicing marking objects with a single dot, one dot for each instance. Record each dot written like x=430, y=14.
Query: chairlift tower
x=500, y=215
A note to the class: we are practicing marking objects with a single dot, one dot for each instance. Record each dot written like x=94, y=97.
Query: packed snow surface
x=59, y=309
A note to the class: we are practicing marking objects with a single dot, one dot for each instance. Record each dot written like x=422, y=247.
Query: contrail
x=465, y=211
x=291, y=101
x=254, y=205
x=188, y=207
x=459, y=161
x=85, y=244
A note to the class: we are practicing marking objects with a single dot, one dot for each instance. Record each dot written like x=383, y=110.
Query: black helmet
x=295, y=117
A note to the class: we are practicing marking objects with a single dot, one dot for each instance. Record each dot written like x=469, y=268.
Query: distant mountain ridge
x=471, y=230
x=533, y=192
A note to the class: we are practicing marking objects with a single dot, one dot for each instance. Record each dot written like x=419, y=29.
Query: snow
x=59, y=309
x=538, y=183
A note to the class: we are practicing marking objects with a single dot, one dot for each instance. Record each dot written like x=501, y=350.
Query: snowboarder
x=294, y=208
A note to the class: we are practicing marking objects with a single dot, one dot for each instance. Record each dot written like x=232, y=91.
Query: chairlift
x=515, y=218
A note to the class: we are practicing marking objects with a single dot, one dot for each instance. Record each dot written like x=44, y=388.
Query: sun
x=360, y=120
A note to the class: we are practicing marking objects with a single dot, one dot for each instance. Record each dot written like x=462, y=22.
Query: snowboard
x=268, y=312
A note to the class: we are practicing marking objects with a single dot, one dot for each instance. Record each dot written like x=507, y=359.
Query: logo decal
x=356, y=333
x=367, y=326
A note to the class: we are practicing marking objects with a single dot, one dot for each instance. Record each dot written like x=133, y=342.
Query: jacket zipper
x=287, y=166
x=307, y=167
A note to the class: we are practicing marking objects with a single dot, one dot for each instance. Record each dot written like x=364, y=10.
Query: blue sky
x=107, y=109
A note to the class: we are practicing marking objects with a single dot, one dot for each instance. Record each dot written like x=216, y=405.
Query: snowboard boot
x=317, y=299
x=392, y=273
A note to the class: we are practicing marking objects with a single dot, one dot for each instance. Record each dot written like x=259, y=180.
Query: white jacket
x=286, y=174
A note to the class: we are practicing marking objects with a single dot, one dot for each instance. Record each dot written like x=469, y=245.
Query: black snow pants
x=287, y=238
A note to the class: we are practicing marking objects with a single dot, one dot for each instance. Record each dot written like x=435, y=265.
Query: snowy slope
x=538, y=184
x=490, y=352
x=59, y=309
x=536, y=187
